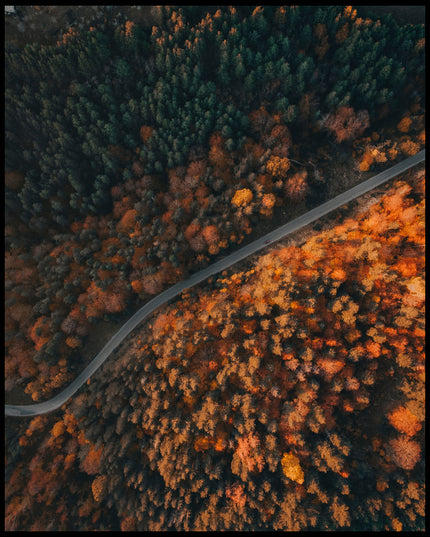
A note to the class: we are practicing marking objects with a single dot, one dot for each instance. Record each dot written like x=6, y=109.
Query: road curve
x=241, y=253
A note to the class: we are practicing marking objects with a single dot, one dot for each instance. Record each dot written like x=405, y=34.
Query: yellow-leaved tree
x=292, y=469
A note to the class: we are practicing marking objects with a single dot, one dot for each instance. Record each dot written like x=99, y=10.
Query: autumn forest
x=286, y=393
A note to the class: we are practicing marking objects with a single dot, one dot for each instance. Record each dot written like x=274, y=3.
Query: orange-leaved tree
x=404, y=421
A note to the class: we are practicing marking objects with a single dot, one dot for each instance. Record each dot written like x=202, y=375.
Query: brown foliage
x=249, y=451
x=98, y=487
x=236, y=494
x=120, y=153
x=409, y=148
x=14, y=180
x=129, y=28
x=211, y=234
x=99, y=301
x=320, y=32
x=194, y=237
x=307, y=106
x=146, y=133
x=70, y=35
x=38, y=481
x=404, y=452
x=261, y=121
x=127, y=222
x=128, y=524
x=137, y=169
x=153, y=283
x=296, y=187
x=58, y=429
x=40, y=332
x=283, y=141
x=202, y=443
x=404, y=124
x=342, y=33
x=345, y=124
x=267, y=203
x=218, y=155
x=340, y=513
x=73, y=342
x=91, y=463
x=137, y=286
x=329, y=366
x=196, y=169
x=69, y=325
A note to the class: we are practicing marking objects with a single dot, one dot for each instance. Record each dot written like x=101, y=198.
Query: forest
x=130, y=163
x=287, y=395
x=137, y=154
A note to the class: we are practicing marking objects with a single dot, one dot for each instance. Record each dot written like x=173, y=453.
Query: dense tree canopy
x=163, y=92
x=134, y=155
x=290, y=396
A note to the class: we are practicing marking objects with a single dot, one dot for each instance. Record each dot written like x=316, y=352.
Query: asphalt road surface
x=245, y=251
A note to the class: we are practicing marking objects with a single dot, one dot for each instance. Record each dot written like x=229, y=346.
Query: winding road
x=222, y=264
